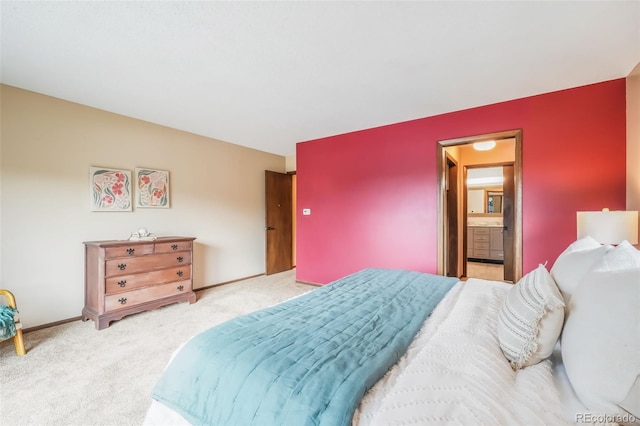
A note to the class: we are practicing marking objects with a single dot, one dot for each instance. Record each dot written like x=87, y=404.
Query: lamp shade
x=609, y=227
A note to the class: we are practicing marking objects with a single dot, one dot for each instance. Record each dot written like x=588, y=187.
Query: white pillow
x=530, y=320
x=631, y=403
x=574, y=262
x=601, y=337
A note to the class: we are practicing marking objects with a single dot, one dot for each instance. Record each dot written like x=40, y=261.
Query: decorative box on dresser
x=127, y=277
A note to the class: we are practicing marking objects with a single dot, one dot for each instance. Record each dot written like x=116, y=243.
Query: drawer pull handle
x=122, y=266
x=179, y=273
x=180, y=287
x=131, y=251
x=122, y=283
x=122, y=300
x=174, y=246
x=180, y=258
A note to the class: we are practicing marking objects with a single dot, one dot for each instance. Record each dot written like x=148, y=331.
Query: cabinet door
x=497, y=251
x=496, y=239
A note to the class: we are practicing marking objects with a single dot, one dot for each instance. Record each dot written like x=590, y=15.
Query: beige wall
x=290, y=163
x=633, y=139
x=47, y=147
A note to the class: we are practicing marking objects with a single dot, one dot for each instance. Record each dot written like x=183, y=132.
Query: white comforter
x=453, y=373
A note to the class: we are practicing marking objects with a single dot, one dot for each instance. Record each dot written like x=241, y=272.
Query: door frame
x=452, y=218
x=441, y=171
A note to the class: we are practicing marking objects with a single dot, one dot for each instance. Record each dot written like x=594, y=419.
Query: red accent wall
x=373, y=193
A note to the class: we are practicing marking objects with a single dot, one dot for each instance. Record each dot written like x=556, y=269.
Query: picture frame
x=110, y=189
x=152, y=188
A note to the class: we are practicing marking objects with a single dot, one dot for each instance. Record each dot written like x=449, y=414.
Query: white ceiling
x=268, y=74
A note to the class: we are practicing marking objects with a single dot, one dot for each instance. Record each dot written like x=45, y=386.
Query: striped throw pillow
x=530, y=319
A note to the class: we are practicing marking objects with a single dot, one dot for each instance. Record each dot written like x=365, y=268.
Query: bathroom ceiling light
x=484, y=146
x=484, y=181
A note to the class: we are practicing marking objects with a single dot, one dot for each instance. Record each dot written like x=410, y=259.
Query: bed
x=456, y=367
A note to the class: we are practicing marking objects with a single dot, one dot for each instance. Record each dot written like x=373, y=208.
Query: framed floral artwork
x=152, y=188
x=110, y=189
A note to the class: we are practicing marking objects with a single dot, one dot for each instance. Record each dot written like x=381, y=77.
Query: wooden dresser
x=126, y=277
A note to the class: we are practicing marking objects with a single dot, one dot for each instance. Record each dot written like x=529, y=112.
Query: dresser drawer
x=145, y=294
x=172, y=246
x=129, y=282
x=128, y=251
x=126, y=266
x=482, y=237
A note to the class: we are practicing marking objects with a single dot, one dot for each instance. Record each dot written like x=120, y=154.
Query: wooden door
x=508, y=218
x=452, y=218
x=279, y=222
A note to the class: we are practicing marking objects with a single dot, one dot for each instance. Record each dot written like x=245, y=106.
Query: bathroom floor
x=487, y=271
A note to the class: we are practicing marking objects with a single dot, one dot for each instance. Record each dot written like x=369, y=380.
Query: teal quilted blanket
x=307, y=361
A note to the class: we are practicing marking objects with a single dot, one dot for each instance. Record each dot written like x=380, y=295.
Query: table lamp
x=609, y=227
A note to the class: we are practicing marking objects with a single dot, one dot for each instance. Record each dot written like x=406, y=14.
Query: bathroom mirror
x=493, y=201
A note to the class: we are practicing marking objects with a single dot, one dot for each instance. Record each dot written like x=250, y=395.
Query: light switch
x=306, y=212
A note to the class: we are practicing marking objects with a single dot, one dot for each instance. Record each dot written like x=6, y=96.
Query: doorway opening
x=488, y=199
x=487, y=195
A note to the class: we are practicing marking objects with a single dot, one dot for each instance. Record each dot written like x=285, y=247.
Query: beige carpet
x=74, y=374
